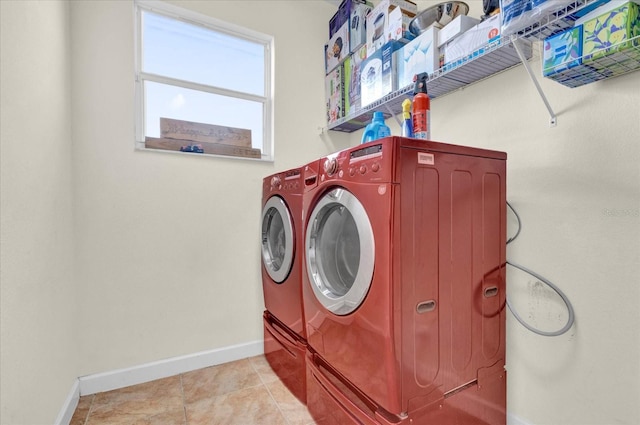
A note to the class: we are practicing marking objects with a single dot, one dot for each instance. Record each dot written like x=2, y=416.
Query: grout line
x=184, y=405
x=86, y=419
x=269, y=391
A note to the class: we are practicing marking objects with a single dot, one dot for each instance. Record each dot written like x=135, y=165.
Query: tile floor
x=244, y=392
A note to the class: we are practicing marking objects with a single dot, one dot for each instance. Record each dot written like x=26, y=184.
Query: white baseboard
x=514, y=420
x=100, y=382
x=69, y=406
x=107, y=381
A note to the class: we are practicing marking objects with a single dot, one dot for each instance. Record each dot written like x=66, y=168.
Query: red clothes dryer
x=282, y=257
x=404, y=285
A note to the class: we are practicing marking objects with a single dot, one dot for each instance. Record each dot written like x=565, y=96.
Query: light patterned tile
x=262, y=366
x=292, y=408
x=136, y=403
x=173, y=417
x=218, y=380
x=250, y=406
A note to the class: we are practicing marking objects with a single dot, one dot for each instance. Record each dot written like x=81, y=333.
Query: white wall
x=39, y=349
x=168, y=244
x=564, y=182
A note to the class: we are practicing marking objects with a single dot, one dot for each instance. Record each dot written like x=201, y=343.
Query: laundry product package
x=562, y=51
x=611, y=32
x=334, y=95
x=337, y=49
x=419, y=55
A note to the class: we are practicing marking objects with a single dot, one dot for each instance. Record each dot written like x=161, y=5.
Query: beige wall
x=167, y=246
x=39, y=295
x=577, y=189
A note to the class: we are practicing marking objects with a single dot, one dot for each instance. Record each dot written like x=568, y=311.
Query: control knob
x=331, y=166
x=275, y=182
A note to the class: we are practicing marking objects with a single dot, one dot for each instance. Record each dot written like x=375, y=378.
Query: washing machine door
x=340, y=251
x=277, y=239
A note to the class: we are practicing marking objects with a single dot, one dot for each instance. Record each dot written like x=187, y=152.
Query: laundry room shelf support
x=553, y=120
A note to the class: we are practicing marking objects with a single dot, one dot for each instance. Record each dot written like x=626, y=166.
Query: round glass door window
x=277, y=239
x=340, y=251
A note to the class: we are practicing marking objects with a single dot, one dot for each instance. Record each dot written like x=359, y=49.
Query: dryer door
x=277, y=239
x=340, y=251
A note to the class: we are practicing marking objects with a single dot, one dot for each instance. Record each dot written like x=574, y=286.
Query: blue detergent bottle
x=376, y=129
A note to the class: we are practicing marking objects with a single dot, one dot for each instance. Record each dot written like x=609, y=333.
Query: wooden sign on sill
x=196, y=132
x=208, y=148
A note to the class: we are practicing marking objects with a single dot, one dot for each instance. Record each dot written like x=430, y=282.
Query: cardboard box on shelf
x=408, y=6
x=377, y=77
x=456, y=27
x=598, y=8
x=334, y=95
x=607, y=33
x=487, y=31
x=387, y=22
x=337, y=49
x=562, y=51
x=352, y=69
x=519, y=14
x=419, y=55
x=358, y=25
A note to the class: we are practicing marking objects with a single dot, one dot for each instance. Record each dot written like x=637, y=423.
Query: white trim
x=69, y=406
x=514, y=420
x=213, y=24
x=107, y=381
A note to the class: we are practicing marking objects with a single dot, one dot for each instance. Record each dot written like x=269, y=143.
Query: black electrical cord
x=565, y=299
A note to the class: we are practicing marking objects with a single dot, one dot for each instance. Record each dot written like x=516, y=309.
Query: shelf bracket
x=553, y=120
x=395, y=117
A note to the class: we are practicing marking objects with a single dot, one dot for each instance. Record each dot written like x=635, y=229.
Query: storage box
x=377, y=75
x=343, y=14
x=562, y=51
x=337, y=49
x=399, y=26
x=334, y=95
x=472, y=40
x=456, y=27
x=408, y=6
x=387, y=22
x=358, y=25
x=607, y=33
x=519, y=14
x=352, y=68
x=419, y=55
x=598, y=8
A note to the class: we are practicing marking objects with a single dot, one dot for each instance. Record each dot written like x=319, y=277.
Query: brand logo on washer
x=425, y=158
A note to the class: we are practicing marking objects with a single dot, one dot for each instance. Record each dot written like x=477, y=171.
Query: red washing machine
x=404, y=285
x=282, y=257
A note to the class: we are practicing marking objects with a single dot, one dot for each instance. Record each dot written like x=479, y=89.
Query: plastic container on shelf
x=376, y=129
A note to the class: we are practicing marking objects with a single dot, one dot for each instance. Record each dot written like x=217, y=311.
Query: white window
x=202, y=85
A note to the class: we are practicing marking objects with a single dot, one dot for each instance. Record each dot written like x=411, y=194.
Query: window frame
x=207, y=22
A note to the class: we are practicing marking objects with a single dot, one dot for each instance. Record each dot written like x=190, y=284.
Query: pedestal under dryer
x=404, y=285
x=282, y=256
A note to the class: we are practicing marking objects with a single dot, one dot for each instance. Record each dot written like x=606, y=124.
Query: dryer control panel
x=369, y=163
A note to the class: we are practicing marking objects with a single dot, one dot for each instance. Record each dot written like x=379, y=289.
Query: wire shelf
x=610, y=62
x=483, y=63
x=556, y=20
x=500, y=56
